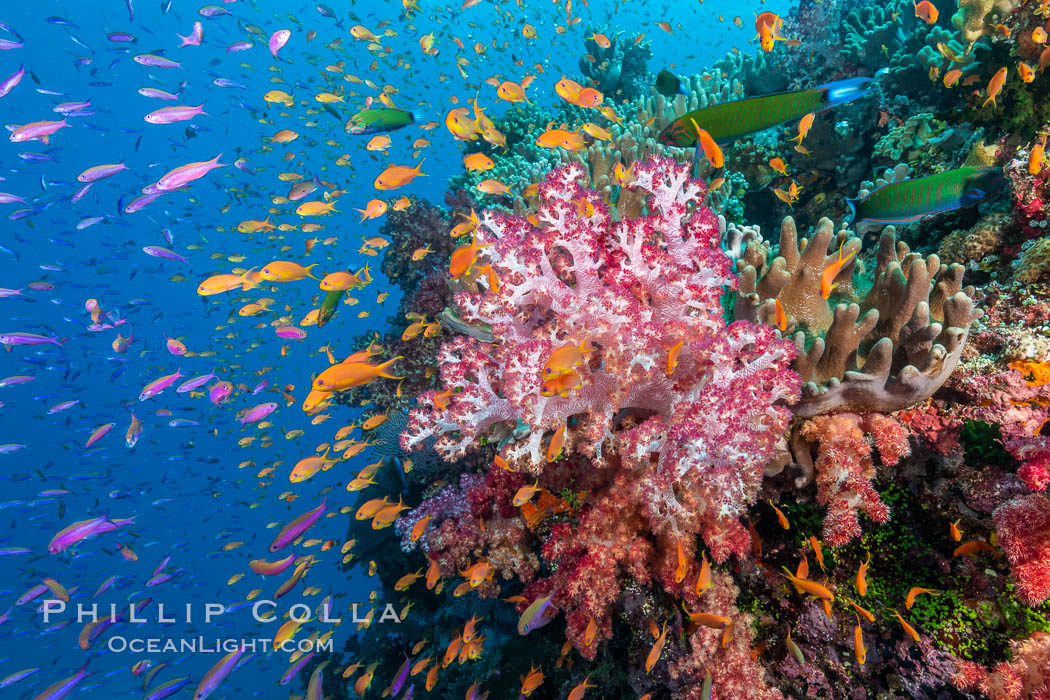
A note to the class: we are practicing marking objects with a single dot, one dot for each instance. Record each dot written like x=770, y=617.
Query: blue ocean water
x=191, y=489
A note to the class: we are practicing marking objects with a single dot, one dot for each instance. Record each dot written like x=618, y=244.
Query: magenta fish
x=259, y=412
x=184, y=175
x=100, y=172
x=195, y=383
x=11, y=81
x=278, y=40
x=6, y=198
x=153, y=61
x=194, y=39
x=290, y=532
x=159, y=385
x=220, y=392
x=159, y=252
x=290, y=333
x=98, y=434
x=157, y=94
x=170, y=115
x=62, y=688
x=9, y=339
x=217, y=674
x=141, y=203
x=70, y=535
x=37, y=130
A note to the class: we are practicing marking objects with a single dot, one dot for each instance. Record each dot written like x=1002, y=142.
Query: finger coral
x=881, y=349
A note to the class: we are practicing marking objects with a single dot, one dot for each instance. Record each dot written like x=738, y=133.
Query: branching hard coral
x=844, y=466
x=620, y=71
x=709, y=400
x=1023, y=526
x=881, y=350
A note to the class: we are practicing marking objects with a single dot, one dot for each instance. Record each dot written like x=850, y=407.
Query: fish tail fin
x=852, y=204
x=310, y=267
x=381, y=368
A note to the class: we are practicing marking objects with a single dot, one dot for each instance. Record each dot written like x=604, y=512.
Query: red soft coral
x=1023, y=526
x=844, y=467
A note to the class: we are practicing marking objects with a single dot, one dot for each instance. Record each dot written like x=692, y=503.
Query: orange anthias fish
x=926, y=11
x=768, y=26
x=1036, y=161
x=862, y=582
x=831, y=272
x=995, y=86
x=398, y=176
x=566, y=358
x=658, y=647
x=804, y=126
x=909, y=601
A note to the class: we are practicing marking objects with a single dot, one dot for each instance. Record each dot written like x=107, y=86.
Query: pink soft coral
x=1023, y=526
x=710, y=400
x=670, y=419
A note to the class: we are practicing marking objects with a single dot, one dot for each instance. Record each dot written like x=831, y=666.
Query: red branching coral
x=844, y=467
x=1023, y=526
x=667, y=418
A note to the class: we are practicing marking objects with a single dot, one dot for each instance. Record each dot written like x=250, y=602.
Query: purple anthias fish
x=70, y=107
x=154, y=61
x=291, y=333
x=194, y=39
x=258, y=413
x=59, y=407
x=170, y=115
x=278, y=40
x=239, y=46
x=186, y=174
x=6, y=198
x=37, y=130
x=140, y=203
x=290, y=532
x=166, y=690
x=157, y=94
x=400, y=677
x=213, y=11
x=195, y=383
x=101, y=172
x=158, y=252
x=64, y=687
x=220, y=392
x=70, y=535
x=294, y=669
x=90, y=221
x=121, y=38
x=260, y=386
x=217, y=674
x=9, y=339
x=158, y=385
x=11, y=81
x=224, y=83
x=7, y=44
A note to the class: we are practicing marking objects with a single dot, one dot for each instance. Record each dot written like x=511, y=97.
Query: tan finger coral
x=882, y=349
